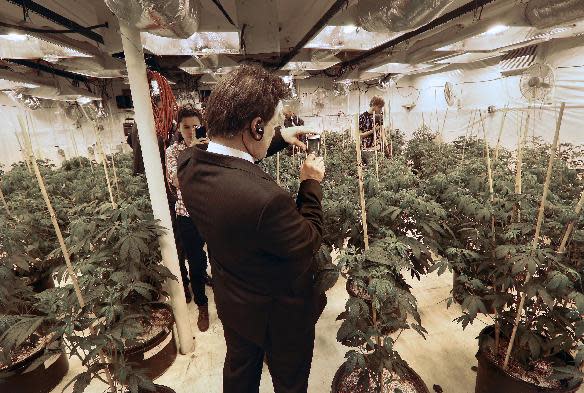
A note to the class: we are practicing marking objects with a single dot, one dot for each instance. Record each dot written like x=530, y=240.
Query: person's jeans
x=192, y=244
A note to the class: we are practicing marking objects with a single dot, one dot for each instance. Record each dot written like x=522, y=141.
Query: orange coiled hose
x=164, y=110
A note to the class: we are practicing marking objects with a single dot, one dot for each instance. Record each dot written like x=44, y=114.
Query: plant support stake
x=375, y=147
x=500, y=133
x=278, y=168
x=64, y=250
x=546, y=186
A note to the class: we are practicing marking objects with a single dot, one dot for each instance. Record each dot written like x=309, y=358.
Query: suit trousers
x=192, y=244
x=289, y=363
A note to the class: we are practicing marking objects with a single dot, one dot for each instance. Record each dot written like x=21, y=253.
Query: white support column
x=144, y=116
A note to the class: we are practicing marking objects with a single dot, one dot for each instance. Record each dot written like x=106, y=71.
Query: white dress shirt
x=218, y=148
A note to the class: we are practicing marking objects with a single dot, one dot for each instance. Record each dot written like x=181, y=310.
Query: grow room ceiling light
x=399, y=68
x=497, y=29
x=348, y=37
x=6, y=84
x=469, y=58
x=14, y=37
x=17, y=46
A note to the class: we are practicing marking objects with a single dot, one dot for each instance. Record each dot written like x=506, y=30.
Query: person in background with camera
x=370, y=125
x=261, y=242
x=189, y=123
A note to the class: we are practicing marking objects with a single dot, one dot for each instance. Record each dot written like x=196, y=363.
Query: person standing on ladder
x=189, y=123
x=370, y=124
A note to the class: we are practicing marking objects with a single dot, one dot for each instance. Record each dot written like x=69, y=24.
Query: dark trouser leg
x=290, y=362
x=242, y=370
x=181, y=254
x=193, y=246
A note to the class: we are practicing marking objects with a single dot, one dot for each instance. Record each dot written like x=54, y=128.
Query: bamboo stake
x=278, y=168
x=24, y=156
x=443, y=124
x=375, y=147
x=546, y=187
x=492, y=198
x=324, y=144
x=571, y=224
x=519, y=169
x=99, y=147
x=85, y=142
x=361, y=187
x=57, y=228
x=357, y=135
x=115, y=174
x=500, y=134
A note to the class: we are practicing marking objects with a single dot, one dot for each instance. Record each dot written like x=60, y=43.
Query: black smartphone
x=313, y=145
x=200, y=132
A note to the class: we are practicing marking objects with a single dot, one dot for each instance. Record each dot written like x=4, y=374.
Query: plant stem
x=546, y=187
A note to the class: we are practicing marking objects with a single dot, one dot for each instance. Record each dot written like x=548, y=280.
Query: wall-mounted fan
x=409, y=95
x=450, y=94
x=537, y=83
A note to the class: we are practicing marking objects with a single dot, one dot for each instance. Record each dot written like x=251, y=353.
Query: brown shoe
x=203, y=321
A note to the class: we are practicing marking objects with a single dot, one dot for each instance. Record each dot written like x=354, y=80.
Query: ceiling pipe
x=399, y=15
x=332, y=11
x=466, y=8
x=168, y=18
x=30, y=5
x=545, y=13
x=42, y=67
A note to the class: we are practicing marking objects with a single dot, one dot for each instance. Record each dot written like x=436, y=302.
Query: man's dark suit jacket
x=260, y=243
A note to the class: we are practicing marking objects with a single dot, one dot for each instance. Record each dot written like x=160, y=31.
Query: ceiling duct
x=168, y=18
x=545, y=13
x=399, y=15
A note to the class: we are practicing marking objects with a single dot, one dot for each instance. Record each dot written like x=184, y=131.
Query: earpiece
x=259, y=131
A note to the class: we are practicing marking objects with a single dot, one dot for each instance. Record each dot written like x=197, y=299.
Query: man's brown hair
x=377, y=101
x=240, y=96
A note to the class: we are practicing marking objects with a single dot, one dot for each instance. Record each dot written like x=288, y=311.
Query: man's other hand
x=312, y=168
x=291, y=135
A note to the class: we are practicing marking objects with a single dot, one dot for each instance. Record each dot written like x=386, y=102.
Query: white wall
x=50, y=128
x=479, y=85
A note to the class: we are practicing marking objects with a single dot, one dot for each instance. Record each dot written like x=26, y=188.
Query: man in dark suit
x=260, y=242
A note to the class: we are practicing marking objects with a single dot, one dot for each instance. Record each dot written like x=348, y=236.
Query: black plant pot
x=339, y=385
x=30, y=376
x=156, y=355
x=159, y=389
x=491, y=378
x=43, y=283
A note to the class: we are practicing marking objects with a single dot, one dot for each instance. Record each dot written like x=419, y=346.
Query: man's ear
x=257, y=128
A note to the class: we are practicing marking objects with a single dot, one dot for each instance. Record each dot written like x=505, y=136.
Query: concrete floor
x=444, y=359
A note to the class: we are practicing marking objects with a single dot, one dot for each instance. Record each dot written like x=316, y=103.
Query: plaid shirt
x=366, y=124
x=172, y=153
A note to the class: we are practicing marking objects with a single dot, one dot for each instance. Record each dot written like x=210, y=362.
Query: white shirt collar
x=218, y=148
